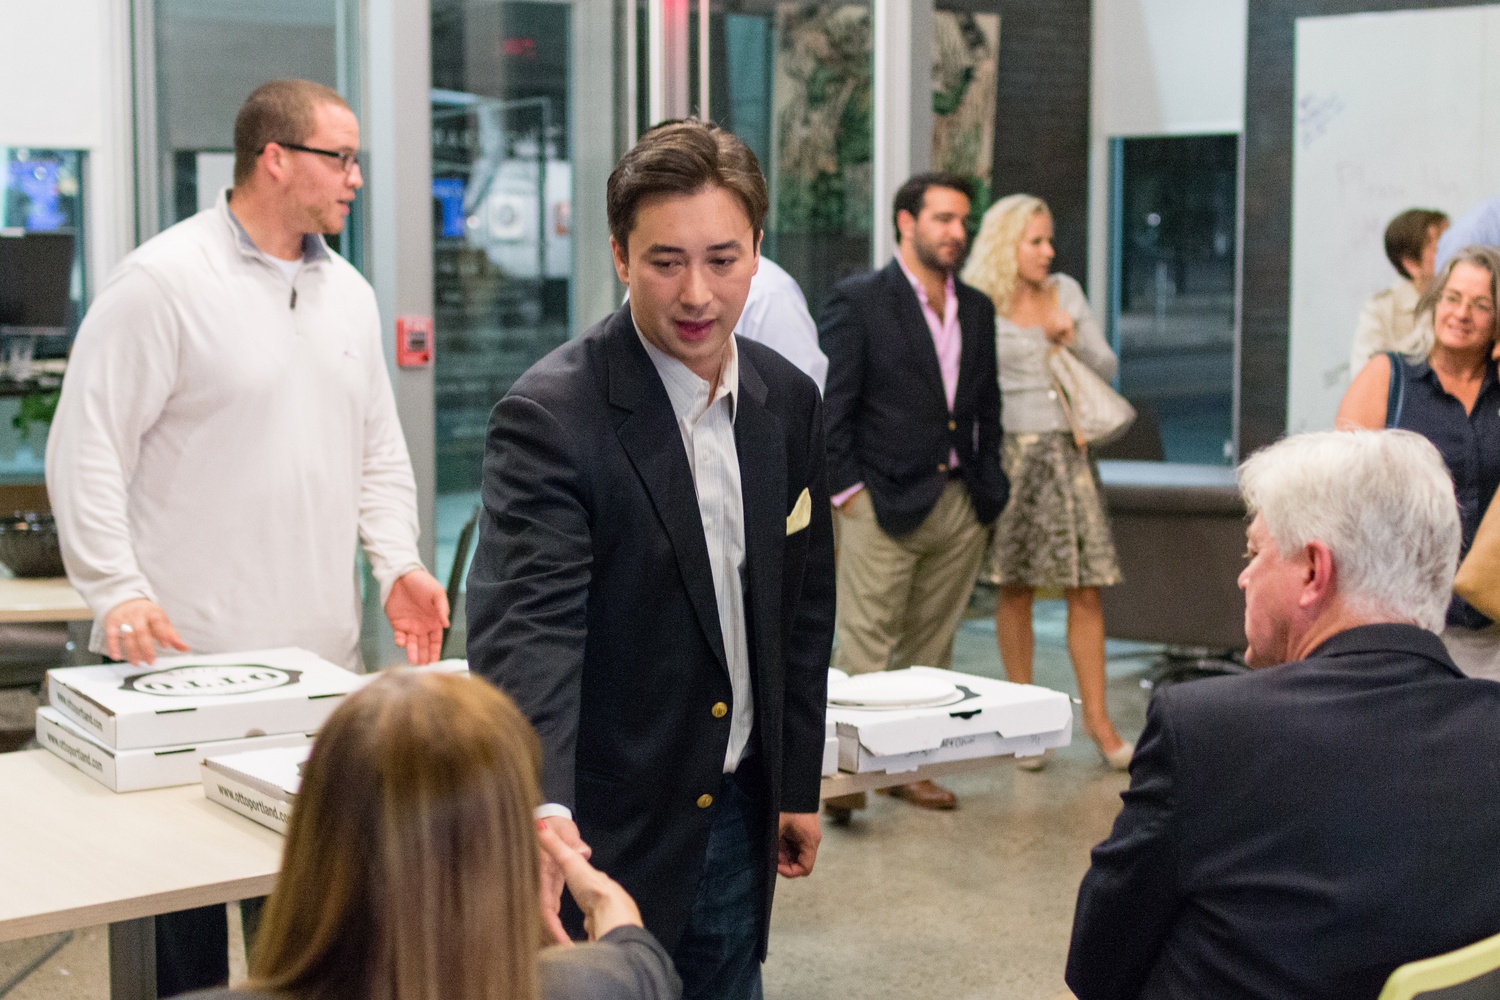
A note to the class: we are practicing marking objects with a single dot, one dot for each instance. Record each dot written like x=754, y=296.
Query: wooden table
x=41, y=599
x=74, y=854
x=845, y=783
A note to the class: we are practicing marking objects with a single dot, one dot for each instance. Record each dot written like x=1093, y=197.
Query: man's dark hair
x=279, y=111
x=684, y=157
x=911, y=195
x=1407, y=235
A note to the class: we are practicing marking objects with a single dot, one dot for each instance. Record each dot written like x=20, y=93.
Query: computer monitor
x=35, y=275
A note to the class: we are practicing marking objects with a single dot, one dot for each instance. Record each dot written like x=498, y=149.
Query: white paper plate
x=893, y=689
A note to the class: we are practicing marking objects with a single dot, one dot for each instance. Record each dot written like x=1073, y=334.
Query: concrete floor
x=904, y=903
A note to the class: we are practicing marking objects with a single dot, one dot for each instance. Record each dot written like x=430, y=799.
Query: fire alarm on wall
x=413, y=341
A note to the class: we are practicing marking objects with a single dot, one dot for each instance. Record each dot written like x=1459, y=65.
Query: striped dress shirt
x=707, y=427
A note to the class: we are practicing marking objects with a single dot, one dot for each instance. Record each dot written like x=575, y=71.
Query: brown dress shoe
x=924, y=795
x=840, y=808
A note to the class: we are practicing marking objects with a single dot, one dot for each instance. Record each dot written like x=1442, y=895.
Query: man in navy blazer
x=1301, y=830
x=653, y=582
x=913, y=410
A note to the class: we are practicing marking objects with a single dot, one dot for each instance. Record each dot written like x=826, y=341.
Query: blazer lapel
x=760, y=440
x=647, y=429
x=912, y=327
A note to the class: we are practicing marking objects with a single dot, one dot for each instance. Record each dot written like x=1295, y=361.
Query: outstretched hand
x=604, y=902
x=418, y=611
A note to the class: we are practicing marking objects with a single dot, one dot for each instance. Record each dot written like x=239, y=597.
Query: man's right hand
x=133, y=629
x=553, y=876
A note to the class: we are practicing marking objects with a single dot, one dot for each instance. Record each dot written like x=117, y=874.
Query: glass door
x=502, y=182
x=209, y=56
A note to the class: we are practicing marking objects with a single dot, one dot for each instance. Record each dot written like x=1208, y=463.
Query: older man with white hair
x=1301, y=830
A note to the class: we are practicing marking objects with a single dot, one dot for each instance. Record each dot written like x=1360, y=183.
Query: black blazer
x=1300, y=831
x=889, y=426
x=591, y=602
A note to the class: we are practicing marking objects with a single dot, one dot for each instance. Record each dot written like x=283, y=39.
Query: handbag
x=1095, y=412
x=1478, y=579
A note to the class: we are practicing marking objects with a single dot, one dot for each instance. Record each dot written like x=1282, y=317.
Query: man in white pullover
x=227, y=434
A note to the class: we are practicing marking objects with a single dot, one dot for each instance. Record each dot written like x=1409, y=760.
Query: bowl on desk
x=28, y=544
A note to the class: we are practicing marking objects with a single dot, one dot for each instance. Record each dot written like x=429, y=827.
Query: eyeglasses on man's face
x=348, y=158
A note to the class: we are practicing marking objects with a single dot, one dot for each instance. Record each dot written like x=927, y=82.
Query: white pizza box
x=831, y=749
x=260, y=784
x=987, y=718
x=191, y=699
x=152, y=767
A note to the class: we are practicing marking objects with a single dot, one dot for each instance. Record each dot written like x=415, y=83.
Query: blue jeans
x=718, y=957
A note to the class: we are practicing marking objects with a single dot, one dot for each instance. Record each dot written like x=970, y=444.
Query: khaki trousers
x=900, y=600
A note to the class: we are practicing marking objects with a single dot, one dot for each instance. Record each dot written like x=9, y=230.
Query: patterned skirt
x=1054, y=532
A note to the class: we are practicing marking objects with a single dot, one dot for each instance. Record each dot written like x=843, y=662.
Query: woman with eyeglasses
x=1447, y=391
x=411, y=865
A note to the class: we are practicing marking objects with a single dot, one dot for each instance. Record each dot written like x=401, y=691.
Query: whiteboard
x=1394, y=111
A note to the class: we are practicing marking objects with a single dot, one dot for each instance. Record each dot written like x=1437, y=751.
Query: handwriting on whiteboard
x=1315, y=113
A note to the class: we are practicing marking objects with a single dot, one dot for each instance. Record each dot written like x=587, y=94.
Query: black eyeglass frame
x=347, y=160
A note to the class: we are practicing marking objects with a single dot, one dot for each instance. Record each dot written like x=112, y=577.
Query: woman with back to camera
x=1449, y=394
x=411, y=866
x=1054, y=533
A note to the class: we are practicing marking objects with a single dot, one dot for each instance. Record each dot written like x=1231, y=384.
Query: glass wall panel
x=1172, y=306
x=209, y=55
x=965, y=72
x=794, y=81
x=41, y=191
x=502, y=197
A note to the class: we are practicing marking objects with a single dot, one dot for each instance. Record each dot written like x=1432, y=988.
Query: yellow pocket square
x=801, y=515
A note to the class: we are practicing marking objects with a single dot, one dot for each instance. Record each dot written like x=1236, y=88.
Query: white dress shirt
x=1388, y=322
x=225, y=440
x=707, y=427
x=776, y=315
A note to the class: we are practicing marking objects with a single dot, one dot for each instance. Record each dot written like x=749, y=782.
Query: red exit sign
x=519, y=48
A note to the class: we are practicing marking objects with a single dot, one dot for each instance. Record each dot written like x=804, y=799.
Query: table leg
x=132, y=959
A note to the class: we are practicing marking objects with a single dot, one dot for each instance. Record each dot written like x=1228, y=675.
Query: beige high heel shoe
x=1119, y=758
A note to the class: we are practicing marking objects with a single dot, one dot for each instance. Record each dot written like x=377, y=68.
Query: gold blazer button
x=720, y=710
x=704, y=801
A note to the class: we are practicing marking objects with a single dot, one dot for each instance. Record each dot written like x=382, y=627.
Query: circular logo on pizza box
x=211, y=679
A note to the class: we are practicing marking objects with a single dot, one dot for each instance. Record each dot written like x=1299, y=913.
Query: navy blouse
x=1469, y=443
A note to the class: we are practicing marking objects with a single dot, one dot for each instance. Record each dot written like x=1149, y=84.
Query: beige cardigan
x=1029, y=405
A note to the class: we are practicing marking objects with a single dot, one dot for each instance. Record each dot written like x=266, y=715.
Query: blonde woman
x=1054, y=532
x=411, y=865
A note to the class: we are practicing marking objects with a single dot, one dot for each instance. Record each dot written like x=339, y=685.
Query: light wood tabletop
x=41, y=599
x=75, y=854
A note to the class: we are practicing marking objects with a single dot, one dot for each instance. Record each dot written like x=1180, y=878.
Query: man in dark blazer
x=913, y=411
x=653, y=582
x=1302, y=830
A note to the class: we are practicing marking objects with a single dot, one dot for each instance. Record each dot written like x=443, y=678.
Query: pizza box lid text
x=191, y=699
x=151, y=767
x=260, y=784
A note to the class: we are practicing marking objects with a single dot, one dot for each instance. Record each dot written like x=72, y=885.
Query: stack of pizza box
x=133, y=727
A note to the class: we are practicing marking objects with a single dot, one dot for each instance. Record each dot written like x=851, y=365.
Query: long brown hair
x=410, y=868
